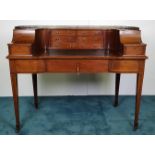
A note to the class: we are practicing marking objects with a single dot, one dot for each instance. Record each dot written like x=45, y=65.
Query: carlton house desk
x=76, y=49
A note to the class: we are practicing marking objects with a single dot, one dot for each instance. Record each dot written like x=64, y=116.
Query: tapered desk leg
x=34, y=80
x=117, y=83
x=14, y=82
x=138, y=97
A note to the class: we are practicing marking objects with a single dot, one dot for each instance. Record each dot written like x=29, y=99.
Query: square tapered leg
x=35, y=90
x=14, y=82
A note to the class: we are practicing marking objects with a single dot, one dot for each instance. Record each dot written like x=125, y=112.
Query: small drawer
x=96, y=42
x=83, y=42
x=63, y=32
x=90, y=42
x=123, y=66
x=63, y=39
x=63, y=42
x=134, y=49
x=29, y=66
x=20, y=49
x=88, y=32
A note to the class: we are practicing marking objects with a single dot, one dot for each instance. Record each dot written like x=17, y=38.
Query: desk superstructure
x=75, y=49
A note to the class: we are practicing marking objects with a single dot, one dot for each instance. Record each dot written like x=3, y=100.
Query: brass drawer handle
x=78, y=68
x=71, y=46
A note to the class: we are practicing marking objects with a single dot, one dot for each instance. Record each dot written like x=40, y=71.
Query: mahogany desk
x=40, y=49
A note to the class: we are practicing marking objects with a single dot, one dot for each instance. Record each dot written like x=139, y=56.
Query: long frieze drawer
x=63, y=32
x=123, y=66
x=28, y=66
x=20, y=49
x=77, y=66
x=61, y=66
x=89, y=32
x=134, y=49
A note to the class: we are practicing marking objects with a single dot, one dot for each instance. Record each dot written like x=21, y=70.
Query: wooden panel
x=29, y=66
x=134, y=49
x=77, y=66
x=124, y=66
x=41, y=41
x=20, y=49
x=63, y=32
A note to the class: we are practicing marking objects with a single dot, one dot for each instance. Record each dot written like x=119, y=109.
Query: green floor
x=78, y=115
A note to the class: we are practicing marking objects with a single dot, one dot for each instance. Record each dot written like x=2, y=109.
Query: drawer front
x=89, y=32
x=20, y=49
x=136, y=49
x=61, y=66
x=62, y=39
x=77, y=66
x=80, y=42
x=124, y=66
x=90, y=42
x=29, y=66
x=63, y=32
x=63, y=42
x=76, y=39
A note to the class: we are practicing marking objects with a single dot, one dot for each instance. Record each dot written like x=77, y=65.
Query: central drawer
x=77, y=66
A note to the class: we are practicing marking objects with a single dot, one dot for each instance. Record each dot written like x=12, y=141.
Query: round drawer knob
x=57, y=39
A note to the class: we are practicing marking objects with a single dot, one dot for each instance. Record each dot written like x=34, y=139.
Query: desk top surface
x=78, y=54
x=33, y=27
